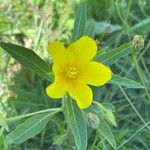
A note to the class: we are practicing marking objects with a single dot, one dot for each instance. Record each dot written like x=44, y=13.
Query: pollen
x=71, y=72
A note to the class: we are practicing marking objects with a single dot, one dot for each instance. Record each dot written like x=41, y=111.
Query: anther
x=71, y=72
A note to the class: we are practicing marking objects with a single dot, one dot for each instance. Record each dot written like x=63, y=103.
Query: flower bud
x=93, y=120
x=138, y=42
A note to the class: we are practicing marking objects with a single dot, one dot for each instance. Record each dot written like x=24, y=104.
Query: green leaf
x=59, y=139
x=109, y=106
x=80, y=22
x=90, y=28
x=142, y=26
x=108, y=115
x=29, y=59
x=122, y=81
x=103, y=112
x=110, y=57
x=106, y=132
x=76, y=122
x=104, y=128
x=29, y=128
x=2, y=128
x=94, y=108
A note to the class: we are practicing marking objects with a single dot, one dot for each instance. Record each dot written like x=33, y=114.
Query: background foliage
x=34, y=24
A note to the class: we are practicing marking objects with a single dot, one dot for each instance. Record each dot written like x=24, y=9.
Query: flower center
x=71, y=72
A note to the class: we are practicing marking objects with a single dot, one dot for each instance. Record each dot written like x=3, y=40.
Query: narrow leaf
x=109, y=116
x=106, y=132
x=80, y=21
x=104, y=128
x=110, y=57
x=90, y=28
x=122, y=81
x=142, y=26
x=59, y=139
x=109, y=106
x=77, y=123
x=29, y=59
x=29, y=128
x=103, y=112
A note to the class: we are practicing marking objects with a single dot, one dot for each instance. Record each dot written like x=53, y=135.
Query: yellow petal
x=58, y=52
x=83, y=50
x=82, y=94
x=95, y=74
x=56, y=90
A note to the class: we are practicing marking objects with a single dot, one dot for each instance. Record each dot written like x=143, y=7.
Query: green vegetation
x=119, y=116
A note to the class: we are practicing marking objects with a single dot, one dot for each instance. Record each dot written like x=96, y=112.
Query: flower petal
x=95, y=74
x=83, y=50
x=56, y=90
x=82, y=94
x=58, y=52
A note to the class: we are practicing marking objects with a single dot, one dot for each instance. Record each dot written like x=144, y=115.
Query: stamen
x=71, y=72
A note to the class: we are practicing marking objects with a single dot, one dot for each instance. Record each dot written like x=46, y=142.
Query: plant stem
x=95, y=140
x=124, y=93
x=120, y=15
x=133, y=135
x=128, y=9
x=34, y=113
x=139, y=73
x=146, y=70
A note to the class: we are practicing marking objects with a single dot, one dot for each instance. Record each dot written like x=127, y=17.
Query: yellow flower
x=74, y=71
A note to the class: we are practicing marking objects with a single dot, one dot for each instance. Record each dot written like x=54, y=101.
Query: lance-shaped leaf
x=29, y=59
x=103, y=128
x=111, y=56
x=29, y=128
x=106, y=132
x=103, y=112
x=80, y=22
x=76, y=122
x=123, y=81
x=90, y=28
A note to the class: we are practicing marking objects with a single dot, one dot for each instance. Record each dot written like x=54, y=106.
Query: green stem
x=128, y=9
x=125, y=95
x=139, y=73
x=120, y=15
x=95, y=140
x=143, y=11
x=38, y=35
x=133, y=135
x=148, y=74
x=1, y=130
x=34, y=113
